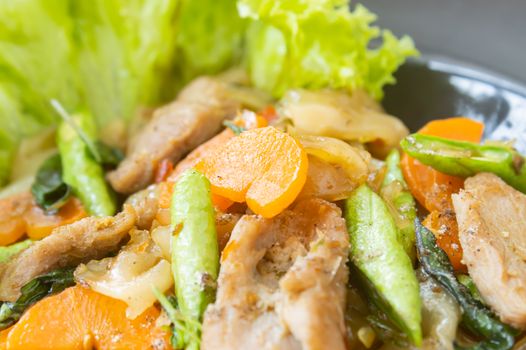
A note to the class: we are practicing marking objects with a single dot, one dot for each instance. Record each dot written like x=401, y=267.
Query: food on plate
x=282, y=282
x=220, y=174
x=497, y=238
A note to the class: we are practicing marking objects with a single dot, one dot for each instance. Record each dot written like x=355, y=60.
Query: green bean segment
x=195, y=252
x=466, y=159
x=376, y=251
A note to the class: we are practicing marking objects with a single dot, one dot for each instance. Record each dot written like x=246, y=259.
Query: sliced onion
x=162, y=235
x=440, y=317
x=131, y=275
x=336, y=114
x=353, y=160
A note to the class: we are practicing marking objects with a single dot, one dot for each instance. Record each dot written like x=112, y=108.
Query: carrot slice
x=19, y=214
x=265, y=167
x=40, y=225
x=3, y=337
x=433, y=189
x=445, y=228
x=12, y=224
x=246, y=120
x=79, y=318
x=269, y=113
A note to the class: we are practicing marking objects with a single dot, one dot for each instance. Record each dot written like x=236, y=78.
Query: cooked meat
x=69, y=245
x=492, y=221
x=174, y=130
x=282, y=282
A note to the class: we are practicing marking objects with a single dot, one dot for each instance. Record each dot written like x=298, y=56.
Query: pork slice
x=282, y=283
x=174, y=130
x=69, y=245
x=492, y=229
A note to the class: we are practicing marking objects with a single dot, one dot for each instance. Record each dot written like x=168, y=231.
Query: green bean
x=80, y=169
x=195, y=253
x=400, y=202
x=376, y=251
x=475, y=316
x=467, y=281
x=466, y=159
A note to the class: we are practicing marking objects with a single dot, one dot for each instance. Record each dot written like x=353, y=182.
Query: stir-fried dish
x=220, y=174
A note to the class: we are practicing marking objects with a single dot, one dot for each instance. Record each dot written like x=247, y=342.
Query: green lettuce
x=318, y=44
x=117, y=57
x=34, y=66
x=210, y=37
x=113, y=57
x=125, y=53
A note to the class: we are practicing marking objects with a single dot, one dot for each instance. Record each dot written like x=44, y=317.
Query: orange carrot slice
x=265, y=167
x=3, y=337
x=12, y=224
x=246, y=120
x=79, y=318
x=19, y=214
x=433, y=189
x=445, y=228
x=269, y=113
x=40, y=225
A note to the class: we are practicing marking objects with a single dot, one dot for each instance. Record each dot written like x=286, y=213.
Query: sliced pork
x=174, y=130
x=69, y=245
x=492, y=222
x=282, y=282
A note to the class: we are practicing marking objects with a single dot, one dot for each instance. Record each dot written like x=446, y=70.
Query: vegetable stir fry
x=221, y=175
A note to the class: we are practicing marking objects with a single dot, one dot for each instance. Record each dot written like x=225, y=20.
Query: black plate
x=431, y=87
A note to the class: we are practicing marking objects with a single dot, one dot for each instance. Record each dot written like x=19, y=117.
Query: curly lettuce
x=210, y=37
x=319, y=44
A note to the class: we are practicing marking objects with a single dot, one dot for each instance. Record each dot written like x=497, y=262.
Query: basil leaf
x=109, y=156
x=49, y=189
x=33, y=291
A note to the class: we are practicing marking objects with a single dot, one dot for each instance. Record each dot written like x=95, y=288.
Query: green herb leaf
x=49, y=189
x=236, y=129
x=109, y=156
x=181, y=332
x=33, y=291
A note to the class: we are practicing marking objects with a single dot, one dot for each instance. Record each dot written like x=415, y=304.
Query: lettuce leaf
x=34, y=66
x=111, y=56
x=116, y=57
x=125, y=53
x=210, y=35
x=318, y=44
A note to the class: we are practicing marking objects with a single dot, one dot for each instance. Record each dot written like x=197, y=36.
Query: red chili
x=269, y=113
